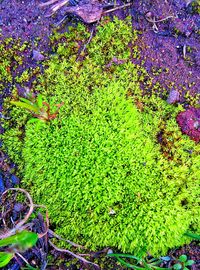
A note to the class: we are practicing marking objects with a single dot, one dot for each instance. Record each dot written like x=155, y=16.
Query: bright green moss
x=98, y=167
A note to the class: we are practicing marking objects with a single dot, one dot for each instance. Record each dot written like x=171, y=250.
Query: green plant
x=182, y=263
x=17, y=243
x=99, y=166
x=193, y=235
x=39, y=108
x=136, y=262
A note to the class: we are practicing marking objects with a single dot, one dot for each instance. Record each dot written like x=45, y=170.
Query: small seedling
x=17, y=243
x=137, y=263
x=39, y=108
x=182, y=263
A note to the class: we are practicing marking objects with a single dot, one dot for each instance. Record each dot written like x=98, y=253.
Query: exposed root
x=153, y=20
x=19, y=225
x=48, y=3
x=47, y=221
x=117, y=8
x=48, y=233
x=65, y=240
x=73, y=255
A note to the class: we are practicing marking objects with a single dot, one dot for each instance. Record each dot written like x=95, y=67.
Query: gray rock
x=38, y=56
x=173, y=97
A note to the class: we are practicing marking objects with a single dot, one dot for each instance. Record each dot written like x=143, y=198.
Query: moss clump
x=10, y=59
x=98, y=167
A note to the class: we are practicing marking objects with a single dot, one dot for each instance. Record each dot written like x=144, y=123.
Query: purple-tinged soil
x=170, y=46
x=24, y=20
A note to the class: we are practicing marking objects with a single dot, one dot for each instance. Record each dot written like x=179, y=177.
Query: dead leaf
x=88, y=12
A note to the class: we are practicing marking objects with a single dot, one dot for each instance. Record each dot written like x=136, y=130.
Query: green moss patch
x=99, y=166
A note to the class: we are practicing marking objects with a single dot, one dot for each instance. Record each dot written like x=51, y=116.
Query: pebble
x=38, y=56
x=18, y=207
x=110, y=251
x=173, y=97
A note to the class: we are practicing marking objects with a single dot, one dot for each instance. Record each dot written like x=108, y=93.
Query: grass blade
x=5, y=258
x=26, y=106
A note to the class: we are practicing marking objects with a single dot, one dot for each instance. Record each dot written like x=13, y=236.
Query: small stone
x=166, y=258
x=173, y=97
x=112, y=212
x=37, y=56
x=196, y=124
x=18, y=207
x=110, y=251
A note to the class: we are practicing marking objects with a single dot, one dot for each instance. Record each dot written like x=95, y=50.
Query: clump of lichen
x=99, y=166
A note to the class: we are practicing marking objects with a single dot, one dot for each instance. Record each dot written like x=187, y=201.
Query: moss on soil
x=100, y=167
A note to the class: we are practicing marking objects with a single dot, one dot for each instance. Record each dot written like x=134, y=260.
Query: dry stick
x=68, y=241
x=17, y=259
x=85, y=45
x=22, y=257
x=2, y=212
x=116, y=8
x=48, y=3
x=72, y=254
x=5, y=213
x=154, y=21
x=105, y=250
x=47, y=220
x=62, y=20
x=84, y=255
x=24, y=220
x=161, y=20
x=57, y=6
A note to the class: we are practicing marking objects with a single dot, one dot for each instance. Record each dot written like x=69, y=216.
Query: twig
x=2, y=214
x=47, y=220
x=116, y=8
x=48, y=3
x=57, y=6
x=90, y=38
x=68, y=241
x=25, y=219
x=73, y=255
x=22, y=257
x=161, y=20
x=61, y=21
x=154, y=21
x=184, y=51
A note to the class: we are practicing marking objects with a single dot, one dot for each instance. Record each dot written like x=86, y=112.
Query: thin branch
x=22, y=257
x=161, y=20
x=72, y=254
x=56, y=7
x=85, y=45
x=67, y=241
x=47, y=220
x=48, y=3
x=154, y=21
x=25, y=219
x=116, y=8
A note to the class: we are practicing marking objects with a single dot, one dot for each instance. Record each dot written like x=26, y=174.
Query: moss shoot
x=99, y=167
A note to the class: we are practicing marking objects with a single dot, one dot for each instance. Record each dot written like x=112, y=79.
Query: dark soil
x=169, y=42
